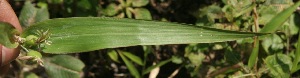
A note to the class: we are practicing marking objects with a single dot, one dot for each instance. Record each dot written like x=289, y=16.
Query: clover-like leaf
x=142, y=13
x=139, y=3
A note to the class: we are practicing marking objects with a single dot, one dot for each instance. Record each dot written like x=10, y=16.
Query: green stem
x=297, y=56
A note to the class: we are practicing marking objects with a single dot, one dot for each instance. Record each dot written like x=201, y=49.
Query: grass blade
x=130, y=66
x=113, y=56
x=157, y=65
x=133, y=58
x=279, y=19
x=254, y=54
x=72, y=35
x=297, y=57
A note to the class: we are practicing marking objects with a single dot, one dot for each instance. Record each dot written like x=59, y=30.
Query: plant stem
x=222, y=70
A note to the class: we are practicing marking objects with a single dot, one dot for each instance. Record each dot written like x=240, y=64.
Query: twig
x=25, y=49
x=154, y=72
x=256, y=24
x=222, y=70
x=245, y=75
x=175, y=72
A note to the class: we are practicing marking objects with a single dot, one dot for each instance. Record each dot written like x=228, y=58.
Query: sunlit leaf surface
x=71, y=35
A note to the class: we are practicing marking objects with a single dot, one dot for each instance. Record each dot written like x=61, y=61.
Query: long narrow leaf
x=157, y=65
x=130, y=66
x=71, y=35
x=254, y=54
x=133, y=58
x=297, y=57
x=279, y=19
x=113, y=55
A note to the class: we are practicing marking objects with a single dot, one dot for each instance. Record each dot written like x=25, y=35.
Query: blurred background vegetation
x=224, y=59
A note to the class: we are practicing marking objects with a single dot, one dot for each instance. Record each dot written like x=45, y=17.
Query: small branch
x=222, y=70
x=25, y=49
x=256, y=24
x=245, y=75
x=154, y=72
x=175, y=72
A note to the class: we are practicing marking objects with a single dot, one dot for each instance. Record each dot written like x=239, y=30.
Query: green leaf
x=113, y=55
x=254, y=54
x=72, y=35
x=139, y=3
x=63, y=66
x=128, y=12
x=196, y=58
x=279, y=19
x=132, y=69
x=142, y=13
x=55, y=1
x=128, y=3
x=297, y=57
x=298, y=67
x=111, y=10
x=30, y=14
x=42, y=14
x=27, y=14
x=244, y=10
x=84, y=4
x=7, y=33
x=266, y=12
x=157, y=65
x=279, y=65
x=133, y=58
x=30, y=75
x=213, y=11
x=177, y=60
x=294, y=24
x=278, y=1
x=272, y=44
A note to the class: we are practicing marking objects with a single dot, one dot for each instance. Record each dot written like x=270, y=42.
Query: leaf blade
x=279, y=19
x=63, y=66
x=297, y=57
x=157, y=65
x=139, y=3
x=133, y=58
x=279, y=64
x=130, y=66
x=71, y=35
x=254, y=54
x=113, y=55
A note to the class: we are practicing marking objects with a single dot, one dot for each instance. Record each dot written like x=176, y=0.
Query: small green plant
x=129, y=7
